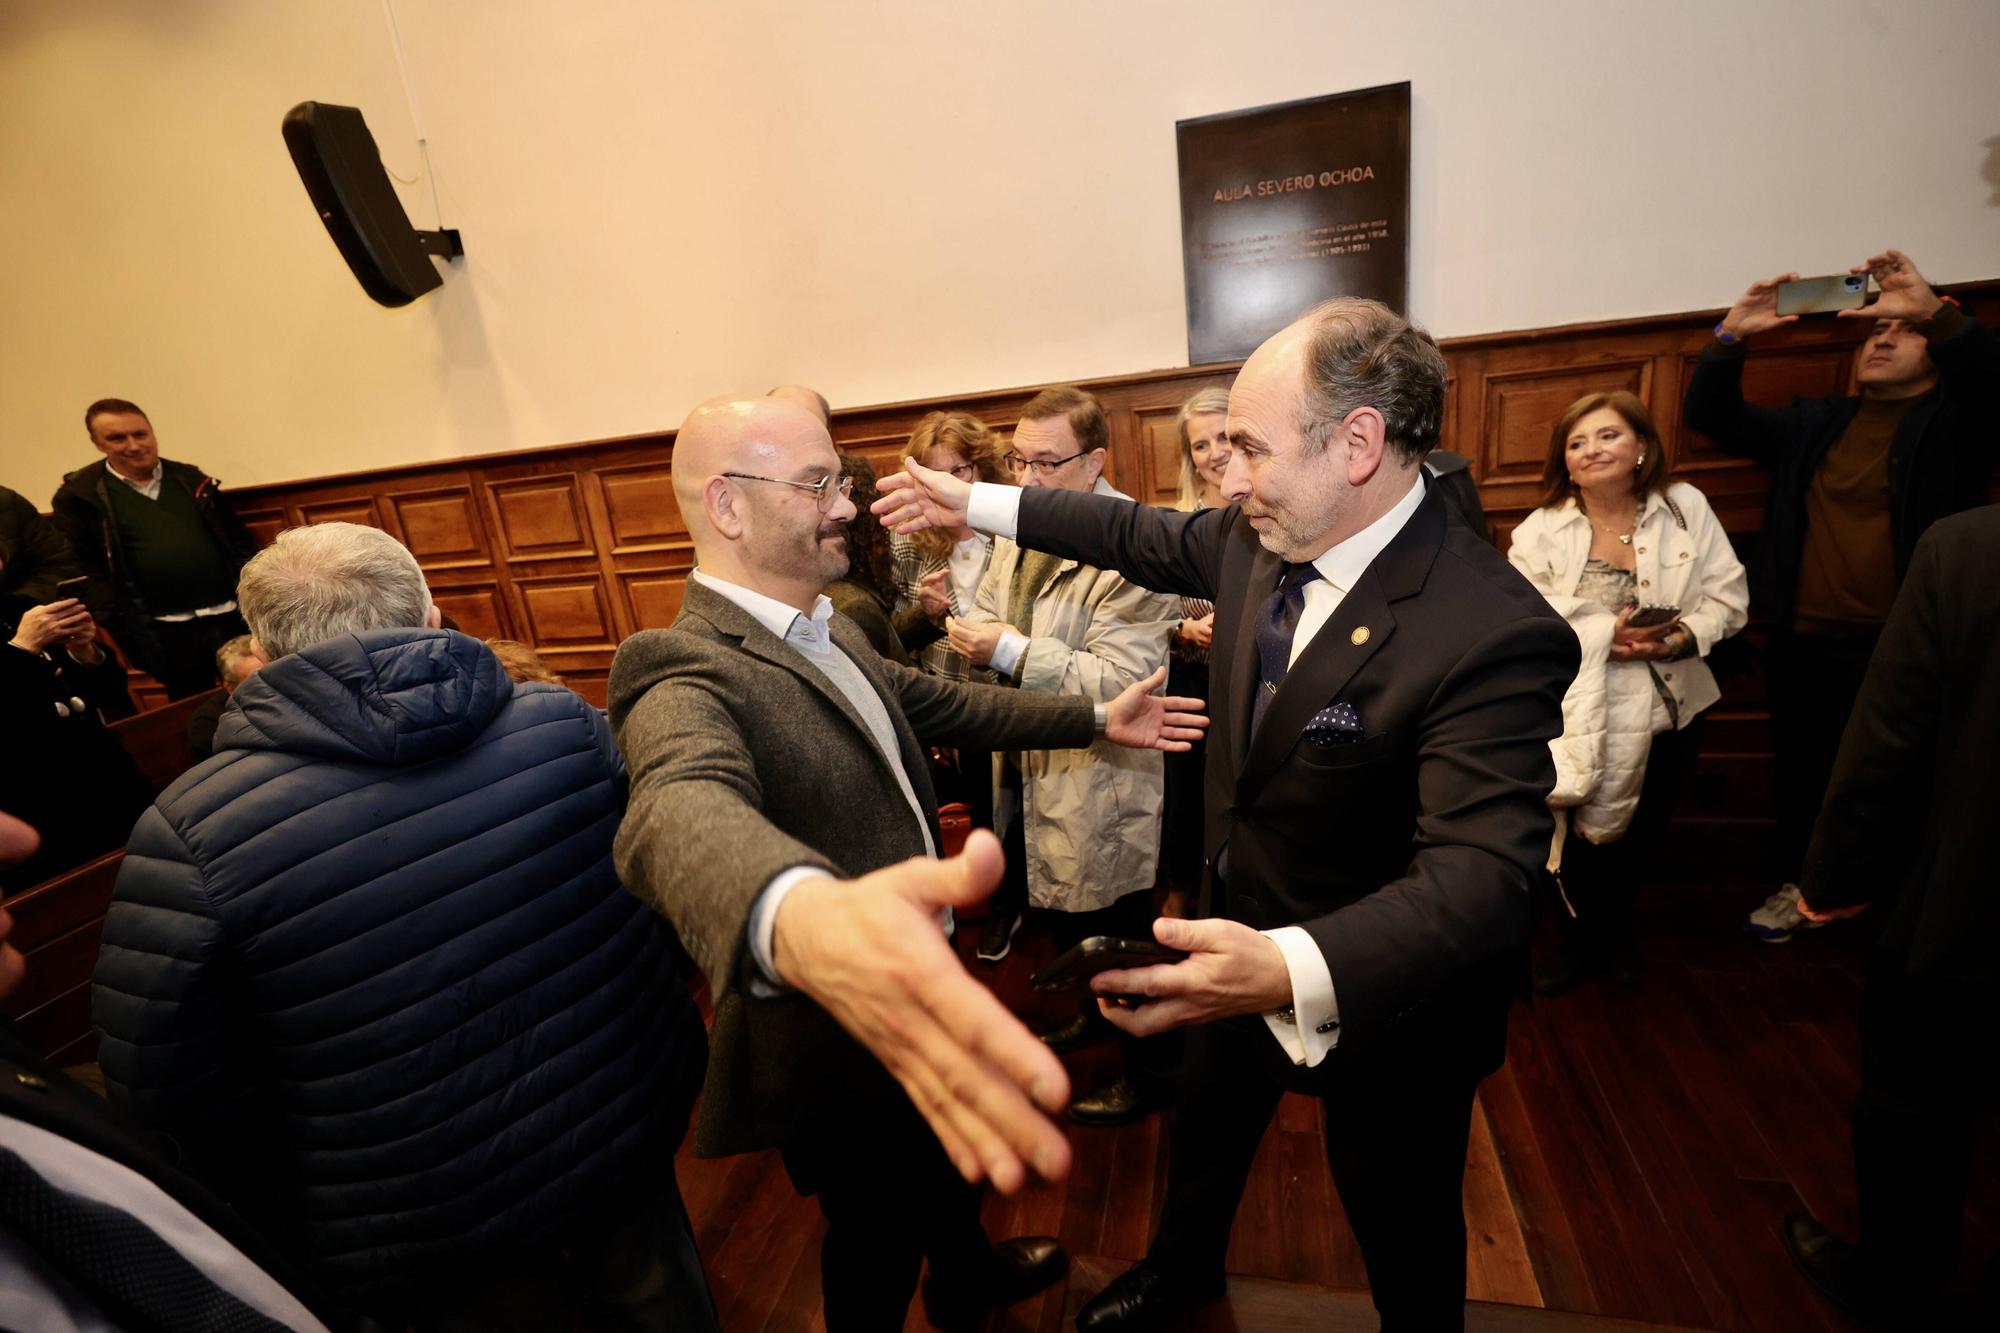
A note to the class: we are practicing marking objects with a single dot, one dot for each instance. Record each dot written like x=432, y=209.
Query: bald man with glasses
x=782, y=817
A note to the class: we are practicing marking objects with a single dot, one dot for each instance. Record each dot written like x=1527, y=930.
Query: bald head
x=763, y=527
x=812, y=400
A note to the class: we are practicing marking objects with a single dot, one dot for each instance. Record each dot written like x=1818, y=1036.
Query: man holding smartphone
x=1855, y=481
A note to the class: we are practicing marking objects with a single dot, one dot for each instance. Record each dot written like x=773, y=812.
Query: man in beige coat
x=1081, y=828
x=782, y=817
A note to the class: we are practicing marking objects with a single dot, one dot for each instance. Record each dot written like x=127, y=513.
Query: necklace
x=1625, y=537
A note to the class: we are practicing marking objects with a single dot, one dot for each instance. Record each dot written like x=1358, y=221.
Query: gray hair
x=320, y=582
x=1208, y=401
x=1363, y=354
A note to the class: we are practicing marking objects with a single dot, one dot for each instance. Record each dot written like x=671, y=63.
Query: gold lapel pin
x=1359, y=637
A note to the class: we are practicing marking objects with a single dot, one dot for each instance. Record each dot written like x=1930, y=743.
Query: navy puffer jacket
x=371, y=967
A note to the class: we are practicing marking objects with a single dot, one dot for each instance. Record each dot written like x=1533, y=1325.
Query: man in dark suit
x=1908, y=823
x=1384, y=688
x=782, y=816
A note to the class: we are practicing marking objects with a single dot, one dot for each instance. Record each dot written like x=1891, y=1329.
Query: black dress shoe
x=1020, y=1267
x=1829, y=1263
x=1144, y=1297
x=1086, y=1029
x=1119, y=1104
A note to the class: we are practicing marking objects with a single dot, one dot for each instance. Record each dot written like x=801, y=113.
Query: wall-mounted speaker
x=342, y=170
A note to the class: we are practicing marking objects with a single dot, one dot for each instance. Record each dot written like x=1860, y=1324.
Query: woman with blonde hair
x=1645, y=575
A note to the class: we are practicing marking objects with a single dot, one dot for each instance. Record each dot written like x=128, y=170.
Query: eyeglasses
x=1044, y=467
x=823, y=490
x=964, y=471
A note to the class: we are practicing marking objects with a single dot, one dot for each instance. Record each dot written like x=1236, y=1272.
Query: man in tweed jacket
x=782, y=817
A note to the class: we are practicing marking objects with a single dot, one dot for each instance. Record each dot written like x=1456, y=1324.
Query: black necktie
x=136, y=1278
x=1276, y=626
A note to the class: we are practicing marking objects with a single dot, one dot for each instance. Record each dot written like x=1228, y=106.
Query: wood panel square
x=566, y=612
x=476, y=609
x=1159, y=434
x=1523, y=406
x=639, y=504
x=654, y=596
x=264, y=524
x=359, y=510
x=540, y=517
x=440, y=527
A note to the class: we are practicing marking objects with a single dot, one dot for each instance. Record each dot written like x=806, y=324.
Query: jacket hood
x=391, y=696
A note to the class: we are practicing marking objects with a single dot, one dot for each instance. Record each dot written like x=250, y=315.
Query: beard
x=832, y=545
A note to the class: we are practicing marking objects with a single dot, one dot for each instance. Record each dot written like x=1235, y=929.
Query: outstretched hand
x=1142, y=720
x=870, y=952
x=1904, y=295
x=919, y=497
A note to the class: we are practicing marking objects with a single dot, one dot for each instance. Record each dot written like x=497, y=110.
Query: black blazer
x=1909, y=821
x=1409, y=852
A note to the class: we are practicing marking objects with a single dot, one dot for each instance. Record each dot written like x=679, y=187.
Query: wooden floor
x=1630, y=1161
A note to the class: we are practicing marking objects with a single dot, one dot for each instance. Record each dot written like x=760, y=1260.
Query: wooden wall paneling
x=1523, y=403
x=566, y=612
x=264, y=524
x=346, y=509
x=477, y=608
x=539, y=516
x=1156, y=479
x=440, y=523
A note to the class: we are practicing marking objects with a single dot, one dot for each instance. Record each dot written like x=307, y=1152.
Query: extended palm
x=1142, y=720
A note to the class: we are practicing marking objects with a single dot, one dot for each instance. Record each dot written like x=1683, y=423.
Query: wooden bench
x=157, y=739
x=58, y=925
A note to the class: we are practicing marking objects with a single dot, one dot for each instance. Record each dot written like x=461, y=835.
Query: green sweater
x=169, y=549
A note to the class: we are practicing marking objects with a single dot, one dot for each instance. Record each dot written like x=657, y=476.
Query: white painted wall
x=663, y=199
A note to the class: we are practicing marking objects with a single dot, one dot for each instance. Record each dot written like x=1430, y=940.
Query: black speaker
x=342, y=170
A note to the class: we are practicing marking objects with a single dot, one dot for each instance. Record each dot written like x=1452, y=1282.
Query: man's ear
x=257, y=651
x=433, y=618
x=719, y=501
x=1093, y=463
x=1363, y=439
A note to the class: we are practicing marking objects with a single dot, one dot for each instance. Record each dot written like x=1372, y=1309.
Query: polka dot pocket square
x=1336, y=724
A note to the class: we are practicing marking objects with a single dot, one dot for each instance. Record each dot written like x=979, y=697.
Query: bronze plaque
x=1283, y=206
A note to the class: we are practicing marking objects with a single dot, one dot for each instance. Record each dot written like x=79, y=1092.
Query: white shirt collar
x=149, y=486
x=1342, y=564
x=781, y=618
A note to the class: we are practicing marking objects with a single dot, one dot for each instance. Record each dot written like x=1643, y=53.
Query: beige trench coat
x=1092, y=816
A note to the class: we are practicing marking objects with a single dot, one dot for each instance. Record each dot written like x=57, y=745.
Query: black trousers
x=185, y=663
x=1181, y=827
x=1924, y=1090
x=1601, y=881
x=1812, y=680
x=1397, y=1122
x=891, y=1199
x=628, y=1269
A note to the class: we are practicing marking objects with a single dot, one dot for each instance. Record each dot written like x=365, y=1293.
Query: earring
x=1641, y=462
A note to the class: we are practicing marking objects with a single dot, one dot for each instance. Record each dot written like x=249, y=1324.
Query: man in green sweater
x=162, y=547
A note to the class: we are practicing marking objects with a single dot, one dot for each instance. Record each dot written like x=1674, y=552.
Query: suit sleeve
x=1715, y=407
x=158, y=995
x=694, y=843
x=1874, y=800
x=1483, y=829
x=991, y=717
x=1161, y=549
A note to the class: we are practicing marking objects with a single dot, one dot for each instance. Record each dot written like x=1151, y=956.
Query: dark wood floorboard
x=1630, y=1162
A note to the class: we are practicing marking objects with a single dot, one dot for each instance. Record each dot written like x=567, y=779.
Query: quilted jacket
x=370, y=965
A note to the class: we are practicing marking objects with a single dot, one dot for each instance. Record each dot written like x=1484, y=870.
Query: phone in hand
x=1100, y=953
x=1646, y=617
x=1819, y=296
x=72, y=586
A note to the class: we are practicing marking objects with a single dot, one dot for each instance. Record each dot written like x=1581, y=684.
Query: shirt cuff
x=994, y=509
x=1008, y=652
x=1312, y=1027
x=764, y=979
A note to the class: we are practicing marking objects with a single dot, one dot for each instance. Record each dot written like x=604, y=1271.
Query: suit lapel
x=759, y=642
x=1330, y=661
x=1244, y=671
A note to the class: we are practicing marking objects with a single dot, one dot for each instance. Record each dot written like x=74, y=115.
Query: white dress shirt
x=810, y=637
x=1312, y=1028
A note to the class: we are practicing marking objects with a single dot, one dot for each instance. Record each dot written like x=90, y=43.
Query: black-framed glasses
x=1044, y=467
x=823, y=490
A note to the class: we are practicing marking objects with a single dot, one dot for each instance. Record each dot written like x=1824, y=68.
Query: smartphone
x=70, y=587
x=1819, y=296
x=1648, y=616
x=1100, y=953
